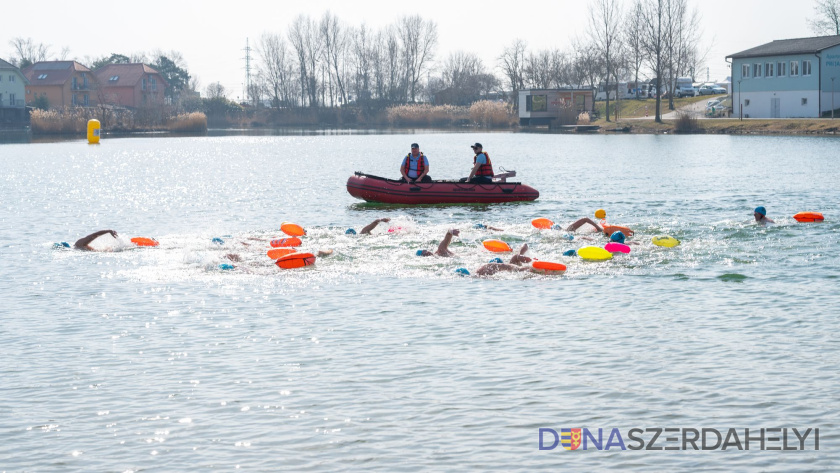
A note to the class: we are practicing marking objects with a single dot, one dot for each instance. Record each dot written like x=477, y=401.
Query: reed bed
x=188, y=123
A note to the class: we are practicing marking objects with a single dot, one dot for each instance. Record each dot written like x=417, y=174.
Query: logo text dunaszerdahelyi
x=680, y=438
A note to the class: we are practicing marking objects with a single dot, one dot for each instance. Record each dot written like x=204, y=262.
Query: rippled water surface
x=155, y=359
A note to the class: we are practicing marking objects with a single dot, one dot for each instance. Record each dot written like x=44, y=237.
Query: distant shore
x=728, y=126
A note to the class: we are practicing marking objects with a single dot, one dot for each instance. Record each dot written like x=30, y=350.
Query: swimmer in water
x=84, y=243
x=369, y=227
x=443, y=247
x=515, y=264
x=760, y=214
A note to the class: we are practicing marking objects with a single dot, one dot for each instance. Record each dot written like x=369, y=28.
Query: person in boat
x=443, y=247
x=415, y=166
x=482, y=171
x=515, y=264
x=599, y=214
x=84, y=243
x=760, y=214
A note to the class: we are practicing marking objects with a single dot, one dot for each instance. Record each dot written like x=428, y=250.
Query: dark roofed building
x=787, y=78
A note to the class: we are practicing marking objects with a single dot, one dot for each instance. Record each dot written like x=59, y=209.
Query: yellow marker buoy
x=601, y=213
x=93, y=128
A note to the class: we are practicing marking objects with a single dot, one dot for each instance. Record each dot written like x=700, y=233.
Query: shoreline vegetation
x=489, y=115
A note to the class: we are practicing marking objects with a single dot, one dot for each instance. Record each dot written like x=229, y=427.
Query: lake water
x=375, y=359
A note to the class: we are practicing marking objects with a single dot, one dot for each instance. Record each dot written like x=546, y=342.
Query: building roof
x=785, y=47
x=124, y=75
x=52, y=72
x=5, y=65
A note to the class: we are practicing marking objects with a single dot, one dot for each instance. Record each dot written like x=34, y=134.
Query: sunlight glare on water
x=377, y=359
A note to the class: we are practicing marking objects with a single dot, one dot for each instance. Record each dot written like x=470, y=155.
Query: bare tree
x=335, y=40
x=634, y=29
x=362, y=60
x=827, y=18
x=653, y=41
x=418, y=39
x=215, y=90
x=604, y=17
x=275, y=68
x=27, y=52
x=512, y=64
x=306, y=42
x=587, y=65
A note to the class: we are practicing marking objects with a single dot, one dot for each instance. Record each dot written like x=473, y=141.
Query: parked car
x=711, y=89
x=686, y=91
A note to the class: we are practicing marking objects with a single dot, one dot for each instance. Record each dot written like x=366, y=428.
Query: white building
x=788, y=78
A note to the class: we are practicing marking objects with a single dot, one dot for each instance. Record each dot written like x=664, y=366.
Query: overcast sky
x=211, y=35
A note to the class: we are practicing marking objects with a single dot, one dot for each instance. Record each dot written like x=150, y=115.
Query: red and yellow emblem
x=570, y=438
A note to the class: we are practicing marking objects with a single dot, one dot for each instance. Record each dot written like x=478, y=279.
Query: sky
x=212, y=36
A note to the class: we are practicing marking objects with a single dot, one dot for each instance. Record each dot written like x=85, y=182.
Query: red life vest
x=484, y=169
x=421, y=164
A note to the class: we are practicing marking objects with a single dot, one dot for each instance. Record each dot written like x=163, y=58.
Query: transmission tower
x=247, y=92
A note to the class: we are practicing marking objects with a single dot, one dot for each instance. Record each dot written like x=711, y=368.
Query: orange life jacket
x=484, y=169
x=421, y=164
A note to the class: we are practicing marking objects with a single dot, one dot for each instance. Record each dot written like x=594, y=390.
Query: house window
x=536, y=103
x=768, y=69
x=781, y=69
x=42, y=76
x=746, y=102
x=114, y=78
x=73, y=101
x=11, y=78
x=144, y=84
x=757, y=71
x=87, y=100
x=794, y=68
x=75, y=82
x=154, y=83
x=745, y=71
x=12, y=100
x=804, y=101
x=806, y=68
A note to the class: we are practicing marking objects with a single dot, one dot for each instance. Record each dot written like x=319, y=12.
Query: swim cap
x=617, y=237
x=496, y=260
x=479, y=225
x=462, y=271
x=63, y=244
x=556, y=226
x=600, y=213
x=569, y=236
x=350, y=231
x=419, y=253
x=218, y=241
x=570, y=253
x=225, y=266
x=761, y=210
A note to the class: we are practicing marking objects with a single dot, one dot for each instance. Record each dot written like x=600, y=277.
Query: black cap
x=477, y=145
x=415, y=145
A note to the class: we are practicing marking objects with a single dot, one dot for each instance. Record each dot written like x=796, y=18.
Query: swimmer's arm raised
x=82, y=243
x=372, y=225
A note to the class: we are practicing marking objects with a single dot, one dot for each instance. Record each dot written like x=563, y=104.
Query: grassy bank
x=645, y=107
x=733, y=126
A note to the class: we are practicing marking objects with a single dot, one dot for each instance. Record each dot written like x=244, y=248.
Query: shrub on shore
x=188, y=123
x=488, y=113
x=686, y=122
x=70, y=120
x=483, y=113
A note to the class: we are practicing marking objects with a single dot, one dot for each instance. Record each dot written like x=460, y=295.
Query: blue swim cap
x=570, y=253
x=617, y=237
x=63, y=244
x=225, y=266
x=496, y=260
x=761, y=210
x=479, y=225
x=556, y=226
x=350, y=231
x=218, y=241
x=462, y=271
x=419, y=253
x=569, y=236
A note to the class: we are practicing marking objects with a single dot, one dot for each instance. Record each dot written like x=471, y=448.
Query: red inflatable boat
x=390, y=191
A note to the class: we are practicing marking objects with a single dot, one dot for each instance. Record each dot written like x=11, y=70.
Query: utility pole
x=247, y=92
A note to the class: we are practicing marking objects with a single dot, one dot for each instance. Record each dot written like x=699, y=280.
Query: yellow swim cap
x=600, y=213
